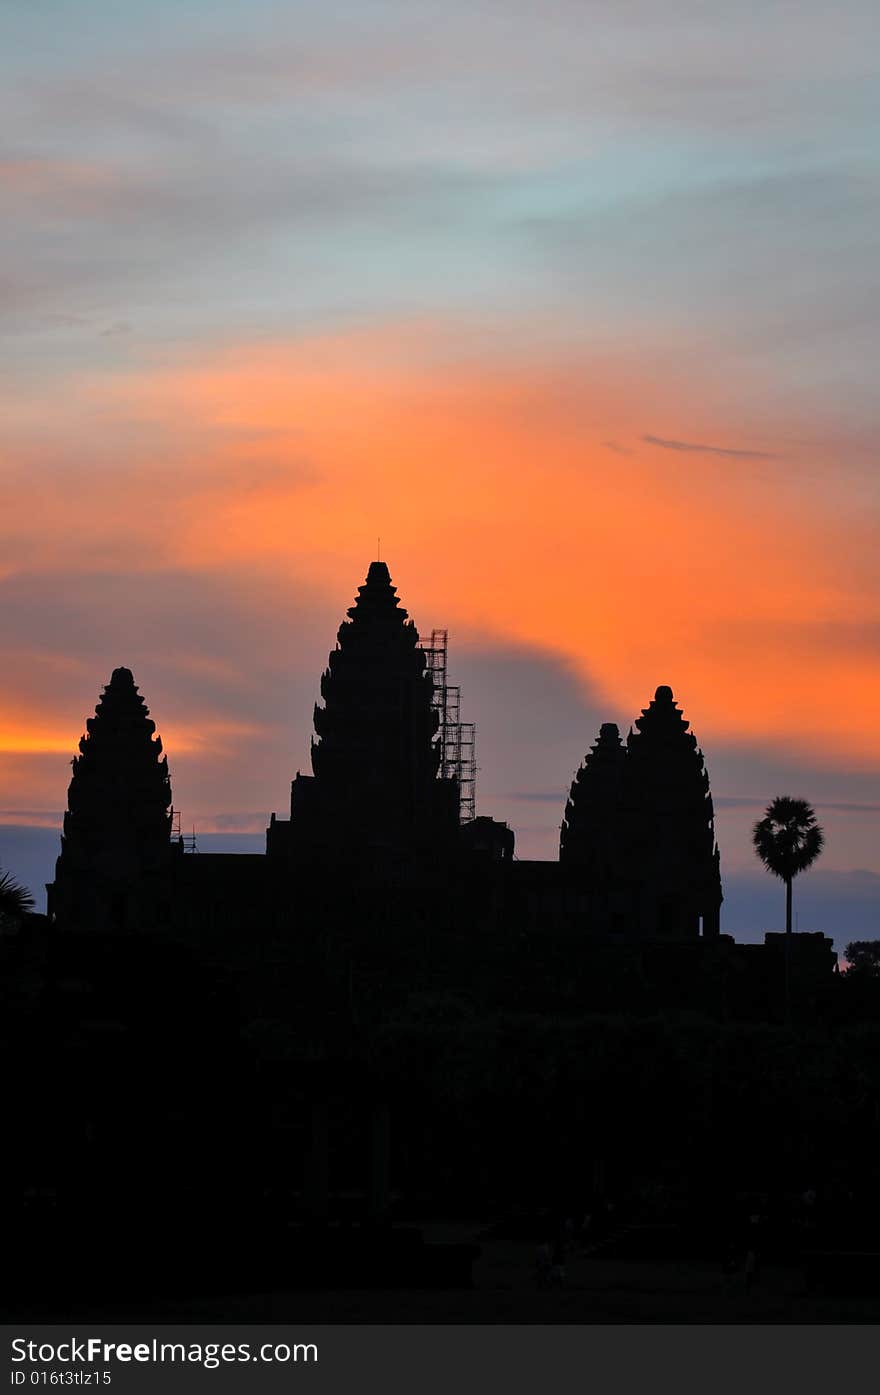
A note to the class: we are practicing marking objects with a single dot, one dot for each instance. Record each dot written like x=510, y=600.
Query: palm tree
x=15, y=900
x=787, y=840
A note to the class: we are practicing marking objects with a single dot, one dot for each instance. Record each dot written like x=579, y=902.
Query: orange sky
x=205, y=519
x=513, y=502
x=581, y=319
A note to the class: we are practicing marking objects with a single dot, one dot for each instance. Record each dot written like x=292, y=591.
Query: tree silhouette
x=788, y=840
x=863, y=958
x=15, y=900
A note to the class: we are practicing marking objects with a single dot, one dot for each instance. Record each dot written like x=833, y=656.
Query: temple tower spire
x=374, y=794
x=118, y=821
x=590, y=834
x=670, y=824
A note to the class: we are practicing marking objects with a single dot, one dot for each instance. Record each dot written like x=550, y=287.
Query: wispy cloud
x=710, y=450
x=539, y=796
x=32, y=818
x=585, y=229
x=756, y=802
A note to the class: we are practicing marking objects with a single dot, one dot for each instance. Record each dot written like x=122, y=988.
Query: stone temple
x=383, y=880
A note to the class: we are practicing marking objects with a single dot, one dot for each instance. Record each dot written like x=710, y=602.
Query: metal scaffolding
x=456, y=739
x=187, y=839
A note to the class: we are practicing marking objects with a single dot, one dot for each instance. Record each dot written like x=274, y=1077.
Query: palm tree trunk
x=788, y=881
x=788, y=906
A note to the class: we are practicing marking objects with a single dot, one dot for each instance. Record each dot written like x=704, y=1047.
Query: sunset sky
x=575, y=304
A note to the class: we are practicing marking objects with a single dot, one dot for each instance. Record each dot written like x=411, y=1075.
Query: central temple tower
x=374, y=798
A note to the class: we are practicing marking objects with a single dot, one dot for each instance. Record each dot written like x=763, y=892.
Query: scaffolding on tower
x=456, y=739
x=187, y=840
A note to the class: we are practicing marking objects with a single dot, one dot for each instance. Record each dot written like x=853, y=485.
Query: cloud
x=228, y=662
x=62, y=321
x=419, y=275
x=243, y=821
x=56, y=178
x=754, y=802
x=535, y=717
x=205, y=517
x=709, y=450
x=538, y=796
x=287, y=459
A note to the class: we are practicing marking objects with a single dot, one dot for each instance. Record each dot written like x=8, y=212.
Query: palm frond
x=788, y=838
x=15, y=899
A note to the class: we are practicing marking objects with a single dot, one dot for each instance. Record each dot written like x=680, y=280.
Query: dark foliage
x=788, y=838
x=15, y=900
x=863, y=958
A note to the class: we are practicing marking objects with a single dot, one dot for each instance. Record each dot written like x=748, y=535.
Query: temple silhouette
x=292, y=1057
x=388, y=812
x=383, y=880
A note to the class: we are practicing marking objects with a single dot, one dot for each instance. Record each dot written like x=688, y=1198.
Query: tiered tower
x=374, y=797
x=116, y=839
x=591, y=829
x=670, y=832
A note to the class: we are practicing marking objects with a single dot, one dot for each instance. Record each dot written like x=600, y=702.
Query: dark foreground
x=595, y=1289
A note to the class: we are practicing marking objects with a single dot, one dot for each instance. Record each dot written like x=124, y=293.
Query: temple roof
x=120, y=790
x=375, y=747
x=589, y=825
x=377, y=612
x=666, y=769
